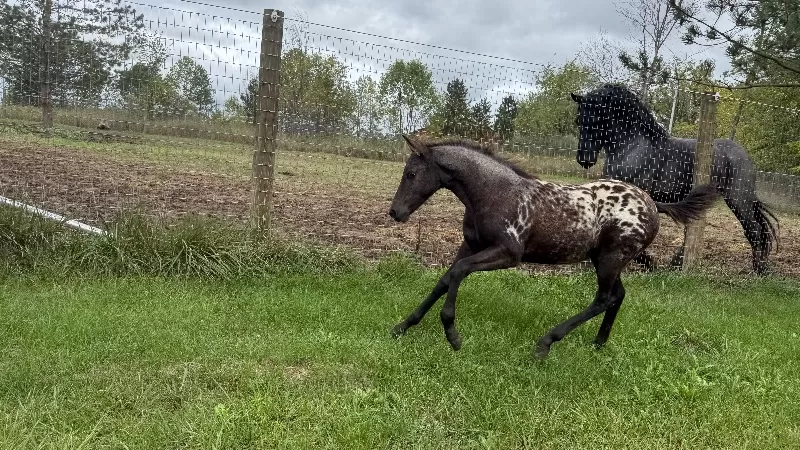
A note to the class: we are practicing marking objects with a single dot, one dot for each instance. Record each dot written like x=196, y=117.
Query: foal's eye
x=410, y=175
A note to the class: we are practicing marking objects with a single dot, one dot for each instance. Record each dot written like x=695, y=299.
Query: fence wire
x=171, y=130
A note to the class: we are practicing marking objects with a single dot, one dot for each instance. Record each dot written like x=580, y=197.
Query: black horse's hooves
x=762, y=270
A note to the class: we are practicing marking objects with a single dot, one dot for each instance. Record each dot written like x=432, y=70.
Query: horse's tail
x=698, y=200
x=768, y=229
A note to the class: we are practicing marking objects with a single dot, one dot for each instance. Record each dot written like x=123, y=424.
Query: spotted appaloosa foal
x=512, y=217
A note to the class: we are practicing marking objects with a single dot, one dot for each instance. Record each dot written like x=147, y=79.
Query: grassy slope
x=306, y=362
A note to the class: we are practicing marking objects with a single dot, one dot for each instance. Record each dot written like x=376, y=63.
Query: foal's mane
x=620, y=98
x=482, y=149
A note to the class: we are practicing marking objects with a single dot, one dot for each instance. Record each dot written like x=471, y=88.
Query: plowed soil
x=95, y=187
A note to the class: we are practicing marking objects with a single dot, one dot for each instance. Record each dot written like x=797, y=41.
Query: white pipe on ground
x=50, y=215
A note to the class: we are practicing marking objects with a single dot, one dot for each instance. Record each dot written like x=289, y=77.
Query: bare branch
x=600, y=57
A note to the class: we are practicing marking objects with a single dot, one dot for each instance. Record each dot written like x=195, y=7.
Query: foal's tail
x=698, y=200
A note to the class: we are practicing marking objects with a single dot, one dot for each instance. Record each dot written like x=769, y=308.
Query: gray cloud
x=535, y=31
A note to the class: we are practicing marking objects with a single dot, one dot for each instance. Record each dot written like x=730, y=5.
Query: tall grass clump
x=195, y=247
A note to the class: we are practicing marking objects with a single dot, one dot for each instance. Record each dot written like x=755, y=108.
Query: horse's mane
x=614, y=94
x=482, y=149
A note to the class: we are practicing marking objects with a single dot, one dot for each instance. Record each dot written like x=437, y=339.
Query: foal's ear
x=416, y=146
x=576, y=98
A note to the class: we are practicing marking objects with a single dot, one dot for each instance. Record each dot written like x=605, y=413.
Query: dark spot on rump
x=618, y=188
x=626, y=224
x=613, y=198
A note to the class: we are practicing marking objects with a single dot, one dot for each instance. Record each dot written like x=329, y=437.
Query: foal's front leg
x=439, y=290
x=493, y=258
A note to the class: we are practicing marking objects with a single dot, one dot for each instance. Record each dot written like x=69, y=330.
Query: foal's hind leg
x=618, y=295
x=608, y=269
x=439, y=290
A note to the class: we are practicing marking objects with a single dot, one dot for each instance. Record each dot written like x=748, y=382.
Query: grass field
x=187, y=336
x=306, y=361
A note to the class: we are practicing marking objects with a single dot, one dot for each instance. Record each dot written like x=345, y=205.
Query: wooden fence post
x=46, y=90
x=269, y=78
x=703, y=157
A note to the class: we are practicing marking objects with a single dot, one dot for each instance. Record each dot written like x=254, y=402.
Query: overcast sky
x=537, y=32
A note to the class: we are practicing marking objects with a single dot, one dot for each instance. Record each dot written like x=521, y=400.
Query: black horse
x=511, y=217
x=641, y=152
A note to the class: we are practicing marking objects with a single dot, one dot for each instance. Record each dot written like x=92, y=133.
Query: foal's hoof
x=398, y=331
x=455, y=340
x=456, y=343
x=541, y=352
x=541, y=349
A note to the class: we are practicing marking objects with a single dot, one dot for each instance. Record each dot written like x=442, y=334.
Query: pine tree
x=504, y=119
x=482, y=119
x=248, y=99
x=456, y=110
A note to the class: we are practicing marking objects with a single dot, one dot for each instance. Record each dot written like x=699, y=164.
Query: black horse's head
x=421, y=179
x=594, y=130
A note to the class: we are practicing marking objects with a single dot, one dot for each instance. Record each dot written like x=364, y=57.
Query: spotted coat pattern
x=575, y=217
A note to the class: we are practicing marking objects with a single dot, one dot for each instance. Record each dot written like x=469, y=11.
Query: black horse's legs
x=440, y=289
x=607, y=274
x=646, y=259
x=493, y=258
x=618, y=295
x=744, y=207
x=677, y=258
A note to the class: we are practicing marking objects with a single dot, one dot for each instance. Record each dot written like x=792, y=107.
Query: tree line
x=45, y=58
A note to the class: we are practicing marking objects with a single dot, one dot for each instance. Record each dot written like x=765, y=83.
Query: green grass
x=192, y=335
x=140, y=246
x=305, y=361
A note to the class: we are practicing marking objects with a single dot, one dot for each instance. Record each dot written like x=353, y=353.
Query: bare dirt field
x=332, y=199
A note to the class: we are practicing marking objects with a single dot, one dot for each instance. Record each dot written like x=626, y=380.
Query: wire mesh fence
x=167, y=124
